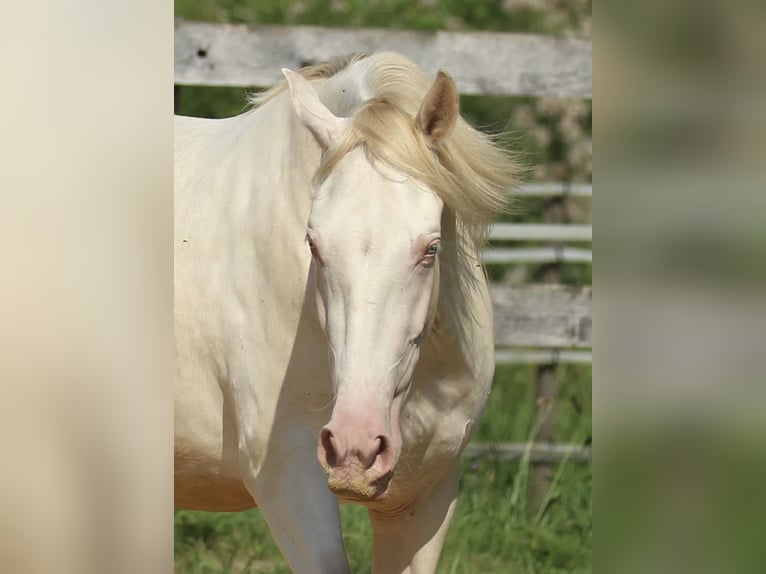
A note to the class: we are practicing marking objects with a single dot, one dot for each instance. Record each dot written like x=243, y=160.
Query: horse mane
x=469, y=170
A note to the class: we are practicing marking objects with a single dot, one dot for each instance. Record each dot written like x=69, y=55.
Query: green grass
x=491, y=531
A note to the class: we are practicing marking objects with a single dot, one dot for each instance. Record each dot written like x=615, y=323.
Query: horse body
x=256, y=309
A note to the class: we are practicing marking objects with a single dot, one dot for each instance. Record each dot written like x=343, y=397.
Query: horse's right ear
x=325, y=126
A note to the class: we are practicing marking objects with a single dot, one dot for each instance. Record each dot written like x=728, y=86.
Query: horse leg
x=410, y=540
x=303, y=516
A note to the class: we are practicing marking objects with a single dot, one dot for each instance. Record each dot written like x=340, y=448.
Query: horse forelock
x=469, y=170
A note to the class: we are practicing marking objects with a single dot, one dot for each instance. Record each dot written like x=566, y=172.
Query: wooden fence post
x=546, y=388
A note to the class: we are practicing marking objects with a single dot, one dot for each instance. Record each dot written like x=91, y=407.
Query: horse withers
x=334, y=336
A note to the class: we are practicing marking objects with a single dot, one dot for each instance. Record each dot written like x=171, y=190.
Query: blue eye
x=433, y=249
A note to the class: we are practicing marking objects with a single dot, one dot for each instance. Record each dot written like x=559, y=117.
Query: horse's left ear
x=439, y=110
x=325, y=126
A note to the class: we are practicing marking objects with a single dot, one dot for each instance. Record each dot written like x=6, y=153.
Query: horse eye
x=430, y=255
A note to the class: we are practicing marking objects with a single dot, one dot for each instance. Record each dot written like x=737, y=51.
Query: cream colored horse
x=333, y=326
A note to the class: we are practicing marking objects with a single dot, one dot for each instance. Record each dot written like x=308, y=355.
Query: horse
x=333, y=327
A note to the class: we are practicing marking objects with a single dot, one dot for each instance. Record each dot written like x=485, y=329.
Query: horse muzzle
x=358, y=456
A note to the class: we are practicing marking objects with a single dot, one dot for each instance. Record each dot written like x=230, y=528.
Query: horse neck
x=262, y=163
x=281, y=155
x=283, y=141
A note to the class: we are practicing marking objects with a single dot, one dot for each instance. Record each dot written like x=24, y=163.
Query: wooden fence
x=555, y=253
x=209, y=54
x=539, y=324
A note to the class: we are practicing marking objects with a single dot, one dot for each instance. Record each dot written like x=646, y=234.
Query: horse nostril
x=386, y=455
x=382, y=445
x=327, y=439
x=335, y=450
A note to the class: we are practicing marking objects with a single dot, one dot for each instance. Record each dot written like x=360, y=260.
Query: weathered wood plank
x=541, y=232
x=537, y=452
x=541, y=357
x=214, y=54
x=554, y=188
x=542, y=315
x=558, y=254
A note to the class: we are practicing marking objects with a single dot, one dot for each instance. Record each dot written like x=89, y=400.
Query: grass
x=491, y=532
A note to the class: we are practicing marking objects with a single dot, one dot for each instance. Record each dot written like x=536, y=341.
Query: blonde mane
x=469, y=170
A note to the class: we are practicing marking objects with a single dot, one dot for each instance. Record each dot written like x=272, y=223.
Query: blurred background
x=525, y=501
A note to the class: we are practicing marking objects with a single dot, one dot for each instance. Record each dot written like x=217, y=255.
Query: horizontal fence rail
x=494, y=256
x=552, y=316
x=540, y=232
x=493, y=63
x=536, y=452
x=541, y=357
x=554, y=188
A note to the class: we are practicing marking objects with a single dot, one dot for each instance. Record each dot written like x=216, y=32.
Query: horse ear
x=325, y=126
x=440, y=109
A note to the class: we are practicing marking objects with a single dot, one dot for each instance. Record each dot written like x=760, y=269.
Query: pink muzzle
x=358, y=452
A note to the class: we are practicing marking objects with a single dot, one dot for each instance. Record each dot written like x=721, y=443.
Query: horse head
x=374, y=235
